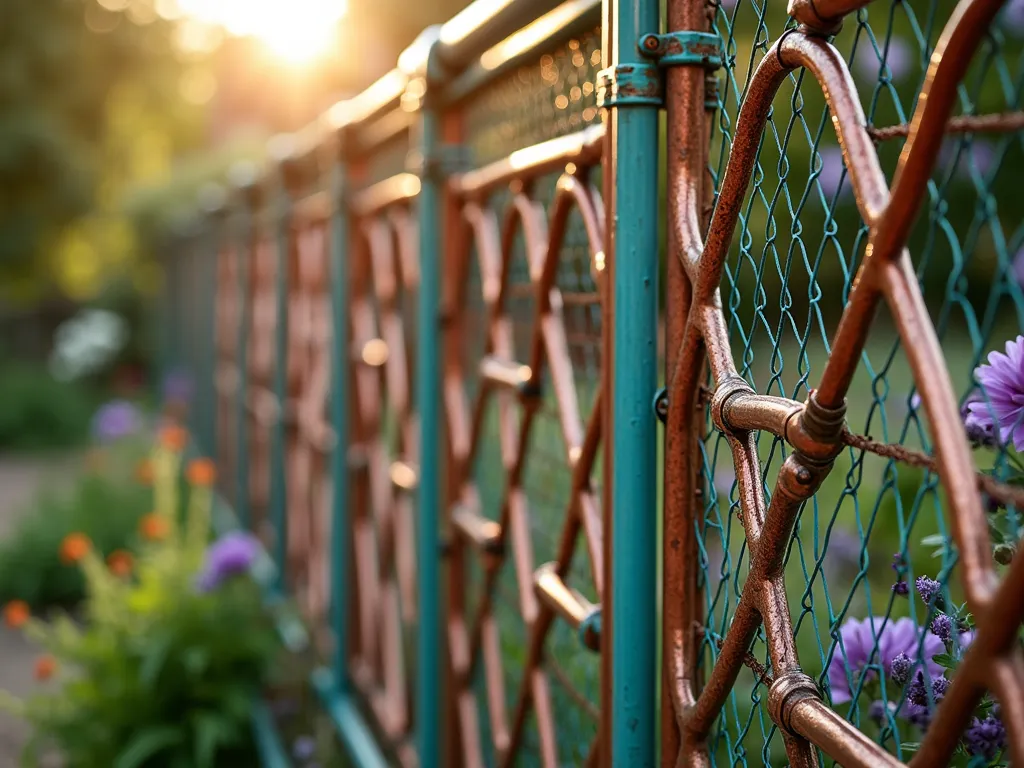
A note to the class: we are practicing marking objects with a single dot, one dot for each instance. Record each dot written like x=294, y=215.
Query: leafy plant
x=40, y=412
x=104, y=505
x=164, y=671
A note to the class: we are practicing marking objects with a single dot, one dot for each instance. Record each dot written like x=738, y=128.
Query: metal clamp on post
x=683, y=49
x=629, y=85
x=445, y=161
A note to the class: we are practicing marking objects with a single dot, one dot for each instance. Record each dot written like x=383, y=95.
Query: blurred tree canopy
x=89, y=101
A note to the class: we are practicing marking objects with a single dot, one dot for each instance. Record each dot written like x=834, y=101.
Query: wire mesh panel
x=521, y=395
x=878, y=542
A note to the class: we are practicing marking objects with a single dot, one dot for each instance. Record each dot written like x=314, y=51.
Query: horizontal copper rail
x=460, y=37
x=481, y=532
x=574, y=608
x=396, y=189
x=506, y=373
x=404, y=475
x=824, y=16
x=580, y=148
x=312, y=208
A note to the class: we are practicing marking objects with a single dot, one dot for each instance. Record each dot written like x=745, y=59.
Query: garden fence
x=586, y=373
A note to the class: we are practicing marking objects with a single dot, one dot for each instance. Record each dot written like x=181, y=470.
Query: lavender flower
x=115, y=420
x=898, y=562
x=831, y=172
x=177, y=387
x=899, y=669
x=880, y=710
x=901, y=588
x=231, y=555
x=898, y=58
x=985, y=737
x=723, y=481
x=942, y=627
x=304, y=748
x=939, y=687
x=927, y=588
x=1018, y=267
x=1003, y=381
x=858, y=639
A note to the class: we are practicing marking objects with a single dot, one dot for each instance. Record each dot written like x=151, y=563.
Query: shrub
x=103, y=505
x=166, y=667
x=40, y=412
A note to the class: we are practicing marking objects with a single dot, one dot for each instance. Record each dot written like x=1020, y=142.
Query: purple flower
x=898, y=57
x=979, y=431
x=231, y=555
x=1013, y=16
x=942, y=627
x=831, y=172
x=985, y=737
x=858, y=640
x=1018, y=267
x=927, y=588
x=842, y=553
x=880, y=710
x=915, y=401
x=178, y=387
x=901, y=588
x=898, y=562
x=1003, y=382
x=115, y=420
x=979, y=156
x=900, y=668
x=304, y=748
x=723, y=481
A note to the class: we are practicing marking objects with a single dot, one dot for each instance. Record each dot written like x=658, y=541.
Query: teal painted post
x=243, y=254
x=634, y=238
x=278, y=478
x=341, y=523
x=428, y=397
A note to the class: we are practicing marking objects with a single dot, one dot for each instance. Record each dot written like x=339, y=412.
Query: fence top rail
x=456, y=58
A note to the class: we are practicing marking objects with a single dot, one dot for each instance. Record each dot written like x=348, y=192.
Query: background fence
x=428, y=336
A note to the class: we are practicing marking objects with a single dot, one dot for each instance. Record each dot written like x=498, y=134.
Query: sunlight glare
x=296, y=31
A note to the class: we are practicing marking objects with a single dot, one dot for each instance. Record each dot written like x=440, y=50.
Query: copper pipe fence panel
x=843, y=252
x=824, y=511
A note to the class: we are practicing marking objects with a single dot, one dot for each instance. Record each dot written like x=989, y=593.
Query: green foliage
x=39, y=412
x=162, y=674
x=105, y=507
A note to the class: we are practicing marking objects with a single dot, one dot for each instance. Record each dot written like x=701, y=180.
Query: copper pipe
x=812, y=719
x=482, y=533
x=824, y=16
x=748, y=411
x=581, y=148
x=573, y=607
x=397, y=189
x=505, y=373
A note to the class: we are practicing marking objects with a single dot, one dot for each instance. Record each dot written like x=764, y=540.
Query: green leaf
x=911, y=746
x=150, y=668
x=935, y=540
x=211, y=730
x=944, y=660
x=150, y=742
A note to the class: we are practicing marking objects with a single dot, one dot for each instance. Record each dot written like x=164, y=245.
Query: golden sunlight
x=296, y=31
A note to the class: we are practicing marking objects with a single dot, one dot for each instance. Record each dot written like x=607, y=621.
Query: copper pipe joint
x=788, y=691
x=578, y=612
x=482, y=533
x=817, y=431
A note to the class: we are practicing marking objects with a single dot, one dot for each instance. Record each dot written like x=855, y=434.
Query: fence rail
x=429, y=335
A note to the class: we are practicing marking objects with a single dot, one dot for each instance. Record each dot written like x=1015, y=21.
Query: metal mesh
x=537, y=101
x=793, y=260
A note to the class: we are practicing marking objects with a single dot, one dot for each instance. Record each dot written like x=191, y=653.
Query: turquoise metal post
x=429, y=662
x=278, y=477
x=243, y=257
x=633, y=164
x=341, y=522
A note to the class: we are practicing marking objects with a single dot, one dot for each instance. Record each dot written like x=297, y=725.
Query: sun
x=296, y=31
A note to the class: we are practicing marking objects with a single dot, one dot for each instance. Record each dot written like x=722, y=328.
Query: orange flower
x=144, y=472
x=45, y=667
x=74, y=547
x=153, y=527
x=174, y=438
x=120, y=562
x=16, y=613
x=201, y=472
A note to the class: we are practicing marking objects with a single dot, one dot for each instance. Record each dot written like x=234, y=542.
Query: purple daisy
x=1002, y=380
x=115, y=420
x=231, y=555
x=858, y=639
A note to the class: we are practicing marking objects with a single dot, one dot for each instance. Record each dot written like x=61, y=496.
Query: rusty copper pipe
x=845, y=743
x=824, y=16
x=569, y=604
x=582, y=148
x=397, y=189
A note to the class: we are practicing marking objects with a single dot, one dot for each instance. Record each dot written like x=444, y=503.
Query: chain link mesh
x=794, y=257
